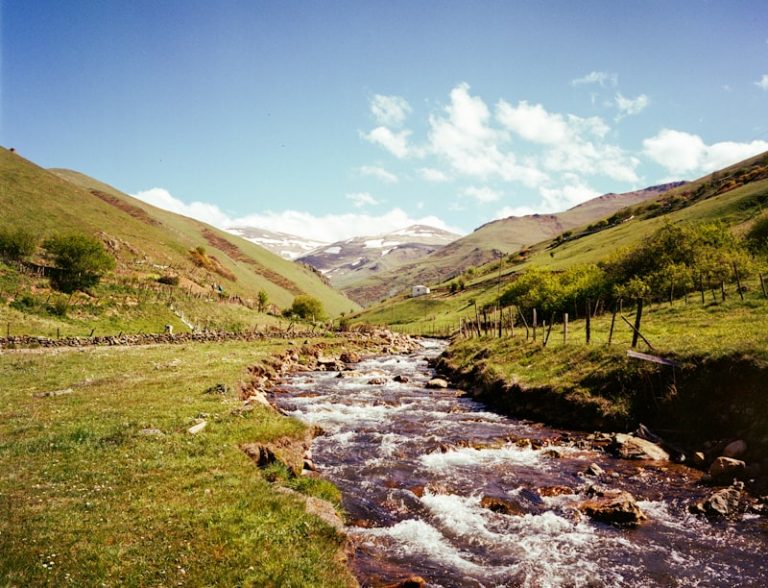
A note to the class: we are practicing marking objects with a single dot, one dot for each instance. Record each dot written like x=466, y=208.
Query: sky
x=330, y=119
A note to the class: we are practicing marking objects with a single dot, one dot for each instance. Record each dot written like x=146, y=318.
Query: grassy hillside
x=734, y=195
x=488, y=242
x=149, y=243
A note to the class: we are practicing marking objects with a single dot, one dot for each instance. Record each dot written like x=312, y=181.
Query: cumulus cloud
x=379, y=173
x=554, y=199
x=396, y=142
x=325, y=228
x=602, y=78
x=683, y=153
x=630, y=106
x=431, y=174
x=162, y=198
x=390, y=111
x=532, y=122
x=360, y=199
x=463, y=136
x=483, y=194
x=763, y=82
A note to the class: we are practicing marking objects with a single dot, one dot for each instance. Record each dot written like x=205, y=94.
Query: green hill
x=734, y=195
x=149, y=243
x=488, y=242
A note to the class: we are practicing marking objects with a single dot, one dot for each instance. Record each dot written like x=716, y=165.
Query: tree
x=307, y=307
x=17, y=244
x=80, y=261
x=263, y=299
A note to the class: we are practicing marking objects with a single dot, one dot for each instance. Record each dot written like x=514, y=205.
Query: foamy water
x=414, y=465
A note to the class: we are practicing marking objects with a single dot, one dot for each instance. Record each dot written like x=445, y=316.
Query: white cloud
x=464, y=137
x=508, y=211
x=326, y=229
x=532, y=122
x=483, y=194
x=431, y=174
x=360, y=199
x=162, y=198
x=683, y=153
x=390, y=111
x=379, y=173
x=630, y=106
x=566, y=196
x=763, y=82
x=602, y=78
x=396, y=142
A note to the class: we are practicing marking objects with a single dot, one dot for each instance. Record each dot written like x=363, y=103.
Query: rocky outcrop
x=726, y=466
x=616, y=507
x=725, y=502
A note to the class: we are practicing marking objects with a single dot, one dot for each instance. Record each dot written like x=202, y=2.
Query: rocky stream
x=438, y=488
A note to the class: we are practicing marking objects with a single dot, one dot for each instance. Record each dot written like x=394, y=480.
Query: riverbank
x=702, y=403
x=127, y=466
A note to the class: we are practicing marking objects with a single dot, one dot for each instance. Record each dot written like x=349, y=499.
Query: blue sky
x=329, y=119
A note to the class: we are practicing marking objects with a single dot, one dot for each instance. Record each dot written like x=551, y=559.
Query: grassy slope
x=87, y=500
x=47, y=202
x=442, y=310
x=484, y=244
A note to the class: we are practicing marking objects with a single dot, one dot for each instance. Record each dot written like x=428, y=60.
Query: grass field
x=87, y=499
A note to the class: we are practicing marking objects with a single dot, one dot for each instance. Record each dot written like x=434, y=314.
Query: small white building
x=419, y=291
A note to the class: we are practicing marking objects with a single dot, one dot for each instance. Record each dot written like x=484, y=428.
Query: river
x=417, y=468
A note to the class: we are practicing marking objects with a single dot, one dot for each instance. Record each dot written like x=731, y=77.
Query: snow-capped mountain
x=362, y=256
x=285, y=245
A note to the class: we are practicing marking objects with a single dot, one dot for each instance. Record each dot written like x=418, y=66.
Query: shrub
x=17, y=244
x=307, y=307
x=80, y=261
x=169, y=280
x=757, y=236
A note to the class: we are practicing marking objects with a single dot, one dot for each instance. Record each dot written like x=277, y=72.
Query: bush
x=757, y=236
x=307, y=307
x=169, y=280
x=80, y=261
x=17, y=244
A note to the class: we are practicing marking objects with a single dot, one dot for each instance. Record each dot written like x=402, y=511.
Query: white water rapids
x=414, y=465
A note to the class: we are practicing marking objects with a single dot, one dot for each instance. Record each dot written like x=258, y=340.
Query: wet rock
x=735, y=449
x=699, y=459
x=377, y=381
x=502, y=505
x=594, y=470
x=437, y=383
x=630, y=447
x=409, y=582
x=350, y=357
x=726, y=466
x=555, y=490
x=553, y=453
x=616, y=507
x=417, y=490
x=402, y=379
x=195, y=429
x=723, y=503
x=349, y=374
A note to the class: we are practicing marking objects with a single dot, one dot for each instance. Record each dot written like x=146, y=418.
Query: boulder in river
x=502, y=505
x=594, y=470
x=409, y=582
x=617, y=507
x=401, y=378
x=723, y=503
x=350, y=357
x=726, y=466
x=437, y=383
x=377, y=381
x=735, y=449
x=631, y=447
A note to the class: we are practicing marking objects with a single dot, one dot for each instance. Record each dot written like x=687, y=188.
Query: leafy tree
x=17, y=244
x=80, y=261
x=263, y=299
x=757, y=236
x=307, y=307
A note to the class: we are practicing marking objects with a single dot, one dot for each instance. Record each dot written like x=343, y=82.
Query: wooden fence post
x=613, y=322
x=762, y=285
x=534, y=324
x=565, y=328
x=738, y=280
x=589, y=323
x=638, y=318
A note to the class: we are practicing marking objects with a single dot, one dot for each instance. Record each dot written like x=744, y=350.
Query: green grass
x=87, y=500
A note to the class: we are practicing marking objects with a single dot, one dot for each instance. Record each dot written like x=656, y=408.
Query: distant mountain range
x=354, y=259
x=285, y=245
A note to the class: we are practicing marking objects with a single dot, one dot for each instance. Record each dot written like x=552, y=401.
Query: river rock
x=377, y=381
x=614, y=506
x=402, y=378
x=437, y=383
x=502, y=505
x=350, y=357
x=555, y=490
x=594, y=470
x=630, y=447
x=349, y=374
x=735, y=449
x=409, y=582
x=723, y=503
x=726, y=466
